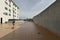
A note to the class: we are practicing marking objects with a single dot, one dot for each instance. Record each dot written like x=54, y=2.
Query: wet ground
x=30, y=31
x=7, y=28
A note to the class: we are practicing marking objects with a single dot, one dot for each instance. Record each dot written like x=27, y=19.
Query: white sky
x=30, y=8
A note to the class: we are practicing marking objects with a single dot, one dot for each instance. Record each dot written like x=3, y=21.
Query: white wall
x=2, y=10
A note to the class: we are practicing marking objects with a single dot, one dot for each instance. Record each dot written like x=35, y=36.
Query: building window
x=9, y=10
x=6, y=8
x=10, y=1
x=5, y=13
x=13, y=8
x=13, y=11
x=13, y=4
x=9, y=14
x=14, y=16
x=9, y=5
x=6, y=2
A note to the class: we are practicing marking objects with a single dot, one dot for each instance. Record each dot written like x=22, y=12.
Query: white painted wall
x=2, y=10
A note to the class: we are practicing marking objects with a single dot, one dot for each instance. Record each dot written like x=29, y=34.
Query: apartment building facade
x=8, y=10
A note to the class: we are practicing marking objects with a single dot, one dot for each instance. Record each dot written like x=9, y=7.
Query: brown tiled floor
x=29, y=31
x=6, y=28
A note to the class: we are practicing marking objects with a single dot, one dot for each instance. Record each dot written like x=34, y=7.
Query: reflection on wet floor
x=29, y=31
x=6, y=28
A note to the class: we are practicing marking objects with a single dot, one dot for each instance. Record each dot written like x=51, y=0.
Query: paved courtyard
x=6, y=28
x=29, y=31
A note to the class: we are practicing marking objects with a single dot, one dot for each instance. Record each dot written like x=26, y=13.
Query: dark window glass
x=5, y=13
x=6, y=2
x=9, y=14
x=13, y=11
x=14, y=16
x=6, y=8
x=14, y=4
x=9, y=5
x=9, y=10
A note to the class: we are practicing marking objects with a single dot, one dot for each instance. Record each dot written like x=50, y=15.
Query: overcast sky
x=30, y=8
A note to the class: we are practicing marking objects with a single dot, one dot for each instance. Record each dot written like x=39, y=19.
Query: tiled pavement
x=29, y=31
x=6, y=28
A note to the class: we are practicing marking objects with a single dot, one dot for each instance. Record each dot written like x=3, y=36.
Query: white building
x=8, y=10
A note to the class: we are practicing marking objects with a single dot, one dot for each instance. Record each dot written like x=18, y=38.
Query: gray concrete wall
x=50, y=18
